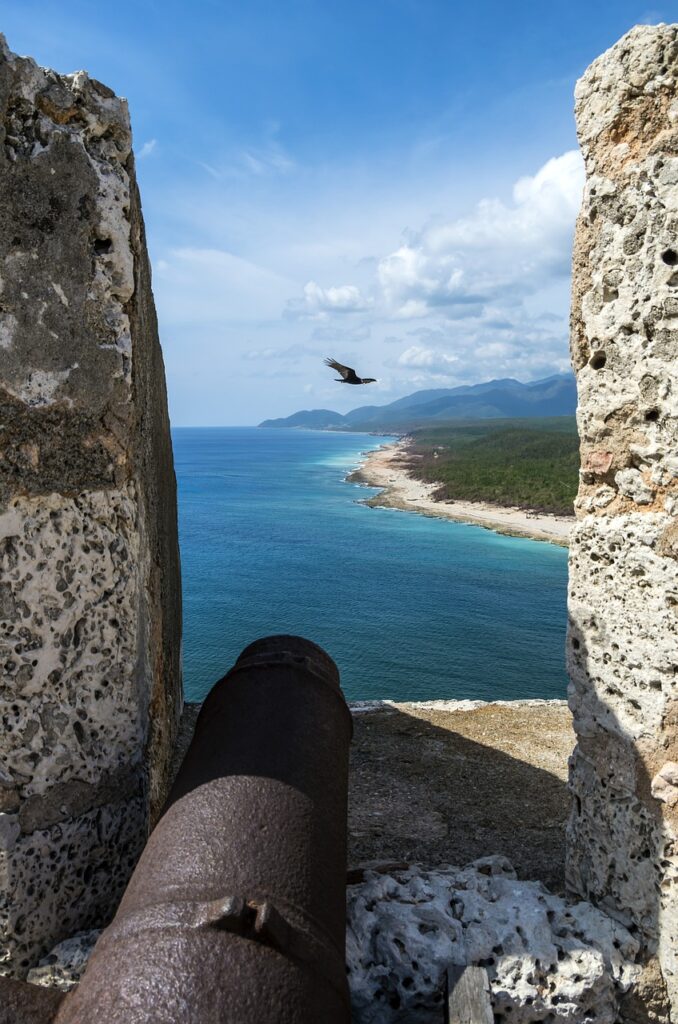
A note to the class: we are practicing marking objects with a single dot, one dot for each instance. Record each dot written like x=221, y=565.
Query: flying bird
x=348, y=375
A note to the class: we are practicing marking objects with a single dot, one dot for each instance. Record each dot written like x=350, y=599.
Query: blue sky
x=389, y=182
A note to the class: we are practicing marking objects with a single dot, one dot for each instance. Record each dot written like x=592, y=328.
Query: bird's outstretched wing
x=345, y=371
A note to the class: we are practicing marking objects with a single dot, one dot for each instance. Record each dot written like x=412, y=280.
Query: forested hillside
x=532, y=463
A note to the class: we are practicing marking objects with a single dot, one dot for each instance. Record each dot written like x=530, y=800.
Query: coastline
x=385, y=467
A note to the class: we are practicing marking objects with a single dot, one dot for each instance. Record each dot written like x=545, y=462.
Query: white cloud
x=518, y=345
x=487, y=291
x=147, y=149
x=499, y=250
x=342, y=299
x=318, y=302
x=431, y=359
x=412, y=282
x=461, y=298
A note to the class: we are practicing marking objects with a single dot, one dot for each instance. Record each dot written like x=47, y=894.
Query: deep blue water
x=274, y=540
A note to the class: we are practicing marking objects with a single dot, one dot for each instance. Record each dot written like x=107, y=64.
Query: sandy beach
x=386, y=467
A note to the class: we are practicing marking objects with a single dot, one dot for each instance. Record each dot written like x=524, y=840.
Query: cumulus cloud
x=319, y=303
x=478, y=296
x=501, y=250
x=460, y=300
x=413, y=282
x=343, y=299
x=525, y=347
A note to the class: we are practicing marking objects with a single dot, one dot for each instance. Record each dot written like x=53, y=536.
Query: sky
x=392, y=183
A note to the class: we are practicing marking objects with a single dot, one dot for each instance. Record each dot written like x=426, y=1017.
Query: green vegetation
x=530, y=463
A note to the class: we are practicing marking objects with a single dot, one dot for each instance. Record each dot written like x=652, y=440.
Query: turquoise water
x=274, y=540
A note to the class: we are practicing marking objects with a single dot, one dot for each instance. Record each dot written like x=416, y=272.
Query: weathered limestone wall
x=623, y=602
x=89, y=582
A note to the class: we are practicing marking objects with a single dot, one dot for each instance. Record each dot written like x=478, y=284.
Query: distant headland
x=494, y=399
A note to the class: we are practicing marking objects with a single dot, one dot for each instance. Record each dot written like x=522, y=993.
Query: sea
x=275, y=540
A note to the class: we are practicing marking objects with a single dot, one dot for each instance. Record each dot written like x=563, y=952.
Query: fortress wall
x=90, y=617
x=623, y=599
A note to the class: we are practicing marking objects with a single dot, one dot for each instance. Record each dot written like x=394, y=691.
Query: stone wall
x=623, y=600
x=90, y=691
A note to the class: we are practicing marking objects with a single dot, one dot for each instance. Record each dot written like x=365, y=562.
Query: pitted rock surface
x=90, y=691
x=623, y=598
x=60, y=882
x=547, y=959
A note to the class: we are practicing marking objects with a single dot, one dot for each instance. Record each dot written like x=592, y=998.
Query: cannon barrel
x=236, y=909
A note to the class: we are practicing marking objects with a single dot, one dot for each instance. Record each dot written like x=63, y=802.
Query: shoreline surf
x=385, y=467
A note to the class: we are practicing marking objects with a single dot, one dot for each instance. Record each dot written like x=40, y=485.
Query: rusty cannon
x=236, y=910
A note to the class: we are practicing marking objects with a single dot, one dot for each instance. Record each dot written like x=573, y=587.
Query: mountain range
x=495, y=399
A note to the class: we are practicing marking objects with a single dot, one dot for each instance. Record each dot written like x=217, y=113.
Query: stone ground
x=448, y=782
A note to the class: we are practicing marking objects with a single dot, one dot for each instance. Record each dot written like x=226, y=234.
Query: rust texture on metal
x=236, y=910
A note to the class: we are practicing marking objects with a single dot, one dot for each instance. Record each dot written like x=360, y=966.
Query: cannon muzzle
x=236, y=910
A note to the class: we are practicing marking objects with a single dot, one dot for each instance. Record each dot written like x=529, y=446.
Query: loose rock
x=63, y=967
x=547, y=958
